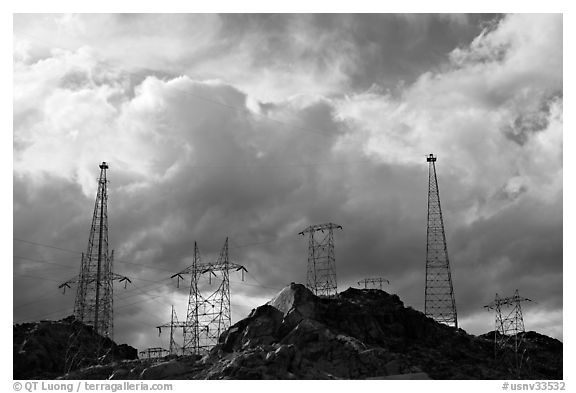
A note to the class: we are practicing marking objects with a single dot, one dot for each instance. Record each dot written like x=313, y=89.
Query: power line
x=77, y=252
x=43, y=296
x=260, y=284
x=254, y=285
x=153, y=281
x=36, y=277
x=67, y=308
x=148, y=295
x=67, y=266
x=51, y=261
x=157, y=285
x=143, y=279
x=43, y=261
x=46, y=245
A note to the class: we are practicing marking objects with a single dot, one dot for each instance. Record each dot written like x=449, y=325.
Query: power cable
x=48, y=246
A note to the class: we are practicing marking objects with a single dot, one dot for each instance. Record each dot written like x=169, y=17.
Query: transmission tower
x=376, y=282
x=439, y=301
x=509, y=324
x=321, y=277
x=154, y=353
x=173, y=348
x=94, y=292
x=209, y=312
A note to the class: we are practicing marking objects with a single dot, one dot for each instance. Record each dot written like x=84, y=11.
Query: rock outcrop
x=363, y=333
x=48, y=349
x=359, y=334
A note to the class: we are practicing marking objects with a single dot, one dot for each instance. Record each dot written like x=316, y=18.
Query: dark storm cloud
x=387, y=48
x=51, y=213
x=520, y=248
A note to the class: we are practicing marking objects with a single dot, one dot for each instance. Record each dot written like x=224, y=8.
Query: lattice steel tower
x=373, y=282
x=155, y=353
x=209, y=312
x=509, y=323
x=439, y=302
x=94, y=293
x=174, y=323
x=321, y=277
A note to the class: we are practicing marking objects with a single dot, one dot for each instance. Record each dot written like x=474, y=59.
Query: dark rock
x=259, y=328
x=47, y=349
x=164, y=370
x=125, y=351
x=392, y=367
x=358, y=334
x=362, y=334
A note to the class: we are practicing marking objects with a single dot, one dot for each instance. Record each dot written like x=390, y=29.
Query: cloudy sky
x=255, y=126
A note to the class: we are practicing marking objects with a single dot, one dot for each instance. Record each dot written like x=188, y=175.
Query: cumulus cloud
x=269, y=56
x=471, y=111
x=225, y=138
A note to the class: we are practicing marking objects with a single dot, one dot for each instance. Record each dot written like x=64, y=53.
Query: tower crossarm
x=67, y=284
x=76, y=280
x=373, y=280
x=507, y=301
x=320, y=227
x=210, y=268
x=171, y=325
x=120, y=278
x=220, y=266
x=155, y=352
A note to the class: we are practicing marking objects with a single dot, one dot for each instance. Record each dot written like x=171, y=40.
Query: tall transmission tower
x=509, y=323
x=375, y=282
x=209, y=312
x=173, y=348
x=321, y=277
x=439, y=302
x=94, y=292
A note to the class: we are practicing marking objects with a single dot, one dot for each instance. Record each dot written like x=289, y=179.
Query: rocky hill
x=360, y=334
x=48, y=349
x=364, y=334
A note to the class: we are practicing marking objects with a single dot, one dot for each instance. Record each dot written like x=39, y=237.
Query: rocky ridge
x=359, y=334
x=363, y=334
